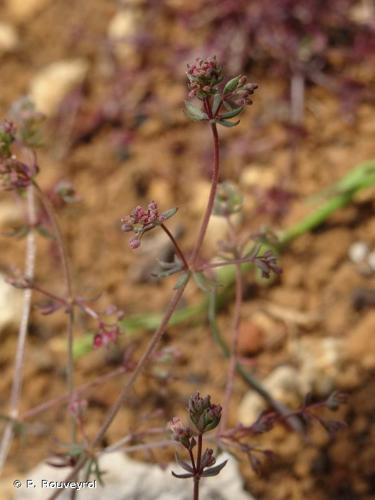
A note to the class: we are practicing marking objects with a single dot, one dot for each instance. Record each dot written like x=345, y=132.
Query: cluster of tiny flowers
x=203, y=77
x=204, y=415
x=241, y=95
x=140, y=220
x=181, y=432
x=15, y=174
x=106, y=335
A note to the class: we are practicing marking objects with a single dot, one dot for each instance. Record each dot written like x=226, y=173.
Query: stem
x=165, y=320
x=69, y=296
x=176, y=246
x=198, y=468
x=129, y=384
x=22, y=332
x=211, y=199
x=234, y=348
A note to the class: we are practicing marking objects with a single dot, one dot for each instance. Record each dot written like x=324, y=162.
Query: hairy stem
x=22, y=332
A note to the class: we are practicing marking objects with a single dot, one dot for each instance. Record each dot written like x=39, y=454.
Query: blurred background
x=110, y=78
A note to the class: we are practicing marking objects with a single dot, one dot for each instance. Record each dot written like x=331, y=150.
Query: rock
x=251, y=338
x=127, y=479
x=258, y=176
x=23, y=10
x=11, y=300
x=358, y=251
x=359, y=346
x=320, y=364
x=8, y=38
x=282, y=383
x=53, y=82
x=122, y=31
x=10, y=213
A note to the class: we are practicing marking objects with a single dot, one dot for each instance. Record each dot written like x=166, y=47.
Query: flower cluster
x=181, y=433
x=241, y=92
x=106, y=334
x=204, y=75
x=142, y=220
x=204, y=415
x=16, y=175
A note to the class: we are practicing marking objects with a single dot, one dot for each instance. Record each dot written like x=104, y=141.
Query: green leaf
x=233, y=113
x=203, y=283
x=169, y=213
x=226, y=123
x=232, y=84
x=194, y=113
x=182, y=280
x=216, y=103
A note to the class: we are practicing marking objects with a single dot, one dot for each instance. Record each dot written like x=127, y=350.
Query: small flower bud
x=134, y=243
x=181, y=433
x=204, y=415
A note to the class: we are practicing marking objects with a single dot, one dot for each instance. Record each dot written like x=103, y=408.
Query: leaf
x=226, y=123
x=183, y=464
x=232, y=84
x=182, y=280
x=194, y=113
x=203, y=283
x=181, y=476
x=232, y=114
x=216, y=104
x=214, y=471
x=169, y=213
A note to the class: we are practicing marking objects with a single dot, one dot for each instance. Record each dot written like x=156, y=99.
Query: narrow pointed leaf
x=226, y=123
x=183, y=464
x=216, y=103
x=232, y=84
x=214, y=471
x=182, y=280
x=169, y=213
x=194, y=113
x=181, y=476
x=232, y=114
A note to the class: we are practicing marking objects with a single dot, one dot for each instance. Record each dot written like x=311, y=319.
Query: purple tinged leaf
x=182, y=476
x=214, y=471
x=183, y=464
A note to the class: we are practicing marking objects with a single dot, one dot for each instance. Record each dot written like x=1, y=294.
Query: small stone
x=53, y=82
x=283, y=385
x=259, y=176
x=11, y=300
x=371, y=260
x=358, y=252
x=251, y=338
x=122, y=31
x=8, y=38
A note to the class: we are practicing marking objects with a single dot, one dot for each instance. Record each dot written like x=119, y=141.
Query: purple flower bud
x=134, y=243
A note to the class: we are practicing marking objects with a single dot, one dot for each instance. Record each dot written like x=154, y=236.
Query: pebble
x=122, y=30
x=11, y=300
x=53, y=82
x=358, y=252
x=8, y=38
